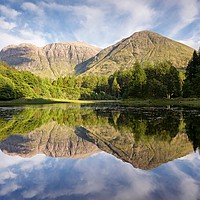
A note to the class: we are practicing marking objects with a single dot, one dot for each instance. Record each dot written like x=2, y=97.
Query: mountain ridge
x=142, y=46
x=52, y=60
x=68, y=58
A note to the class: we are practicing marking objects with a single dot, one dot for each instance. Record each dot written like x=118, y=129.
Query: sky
x=97, y=22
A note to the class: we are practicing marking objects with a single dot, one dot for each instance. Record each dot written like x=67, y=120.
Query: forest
x=144, y=80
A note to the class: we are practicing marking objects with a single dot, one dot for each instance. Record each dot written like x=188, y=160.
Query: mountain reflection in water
x=146, y=138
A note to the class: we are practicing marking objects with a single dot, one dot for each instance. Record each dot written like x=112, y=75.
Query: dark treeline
x=159, y=80
x=191, y=85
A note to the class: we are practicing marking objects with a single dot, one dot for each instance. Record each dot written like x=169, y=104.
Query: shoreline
x=52, y=101
x=185, y=102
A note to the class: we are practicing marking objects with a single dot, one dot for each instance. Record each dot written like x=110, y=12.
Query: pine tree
x=115, y=88
x=191, y=86
x=191, y=69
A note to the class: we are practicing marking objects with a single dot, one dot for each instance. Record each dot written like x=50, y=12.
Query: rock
x=52, y=61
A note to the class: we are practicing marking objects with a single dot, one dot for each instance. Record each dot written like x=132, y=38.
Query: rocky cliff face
x=51, y=61
x=141, y=46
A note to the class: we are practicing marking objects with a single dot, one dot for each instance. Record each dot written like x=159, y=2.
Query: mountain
x=50, y=61
x=141, y=46
x=60, y=59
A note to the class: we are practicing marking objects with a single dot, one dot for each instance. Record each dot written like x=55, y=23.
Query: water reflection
x=144, y=137
x=100, y=176
x=35, y=142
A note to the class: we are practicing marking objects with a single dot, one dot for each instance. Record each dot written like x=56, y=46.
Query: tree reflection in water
x=144, y=137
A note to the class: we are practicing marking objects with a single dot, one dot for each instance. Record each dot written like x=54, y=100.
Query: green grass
x=51, y=101
x=186, y=102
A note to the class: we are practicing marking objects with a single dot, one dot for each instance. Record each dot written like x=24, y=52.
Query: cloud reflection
x=101, y=176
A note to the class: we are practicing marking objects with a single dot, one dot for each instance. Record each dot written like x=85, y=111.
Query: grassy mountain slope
x=141, y=46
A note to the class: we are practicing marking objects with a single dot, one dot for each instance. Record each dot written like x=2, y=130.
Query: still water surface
x=99, y=152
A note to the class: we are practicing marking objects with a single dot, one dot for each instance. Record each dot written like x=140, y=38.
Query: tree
x=89, y=82
x=115, y=88
x=60, y=82
x=71, y=82
x=124, y=78
x=191, y=69
x=102, y=84
x=138, y=81
x=172, y=82
x=7, y=89
x=163, y=80
x=78, y=82
x=191, y=85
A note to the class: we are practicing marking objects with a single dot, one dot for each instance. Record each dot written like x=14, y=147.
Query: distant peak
x=146, y=32
x=19, y=45
x=75, y=43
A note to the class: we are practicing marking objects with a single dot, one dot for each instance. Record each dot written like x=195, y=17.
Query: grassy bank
x=51, y=101
x=188, y=102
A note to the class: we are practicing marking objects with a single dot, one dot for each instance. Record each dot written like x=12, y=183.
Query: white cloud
x=103, y=25
x=192, y=39
x=6, y=25
x=16, y=32
x=187, y=13
x=190, y=188
x=5, y=175
x=8, y=189
x=141, y=15
x=107, y=178
x=36, y=162
x=55, y=6
x=23, y=36
x=32, y=192
x=8, y=12
x=6, y=160
x=192, y=42
x=28, y=6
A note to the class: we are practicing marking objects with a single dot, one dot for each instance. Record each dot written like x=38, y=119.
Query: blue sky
x=97, y=22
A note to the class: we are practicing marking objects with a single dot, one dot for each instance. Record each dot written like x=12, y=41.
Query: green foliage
x=7, y=89
x=115, y=88
x=89, y=82
x=26, y=120
x=138, y=81
x=160, y=80
x=23, y=84
x=191, y=86
x=163, y=80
